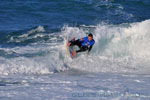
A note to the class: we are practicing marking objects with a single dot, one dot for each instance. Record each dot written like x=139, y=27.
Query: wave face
x=118, y=48
x=122, y=48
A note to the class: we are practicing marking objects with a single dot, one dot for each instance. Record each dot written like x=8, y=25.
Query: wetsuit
x=83, y=43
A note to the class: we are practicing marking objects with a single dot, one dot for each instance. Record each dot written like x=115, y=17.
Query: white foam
x=123, y=48
x=38, y=29
x=118, y=48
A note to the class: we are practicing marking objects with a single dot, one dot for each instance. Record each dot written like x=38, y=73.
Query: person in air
x=84, y=44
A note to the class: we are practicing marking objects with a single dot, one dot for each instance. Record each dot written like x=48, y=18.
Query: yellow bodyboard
x=68, y=51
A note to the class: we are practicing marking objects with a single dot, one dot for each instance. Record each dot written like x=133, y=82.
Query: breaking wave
x=120, y=48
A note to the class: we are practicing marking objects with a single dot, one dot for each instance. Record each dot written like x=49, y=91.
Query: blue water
x=33, y=59
x=20, y=15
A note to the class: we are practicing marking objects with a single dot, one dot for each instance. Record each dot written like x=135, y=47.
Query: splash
x=120, y=48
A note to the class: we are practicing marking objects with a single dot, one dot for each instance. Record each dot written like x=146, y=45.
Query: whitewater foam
x=125, y=49
x=118, y=49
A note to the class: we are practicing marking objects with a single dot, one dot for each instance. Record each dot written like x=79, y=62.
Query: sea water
x=33, y=60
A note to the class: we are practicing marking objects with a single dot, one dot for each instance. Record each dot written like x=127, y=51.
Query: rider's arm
x=90, y=48
x=83, y=39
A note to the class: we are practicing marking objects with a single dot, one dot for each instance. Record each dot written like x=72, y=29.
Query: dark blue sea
x=34, y=64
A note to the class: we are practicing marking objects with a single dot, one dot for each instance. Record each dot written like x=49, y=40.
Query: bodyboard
x=69, y=49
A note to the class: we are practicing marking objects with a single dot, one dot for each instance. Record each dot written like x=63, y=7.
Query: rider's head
x=90, y=37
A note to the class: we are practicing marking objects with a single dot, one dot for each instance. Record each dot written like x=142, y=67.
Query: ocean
x=33, y=58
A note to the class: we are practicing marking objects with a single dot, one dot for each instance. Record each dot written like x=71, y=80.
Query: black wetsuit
x=79, y=44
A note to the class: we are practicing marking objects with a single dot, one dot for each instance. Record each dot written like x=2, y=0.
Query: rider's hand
x=68, y=44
